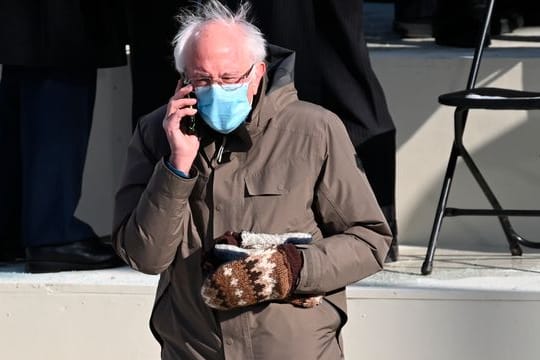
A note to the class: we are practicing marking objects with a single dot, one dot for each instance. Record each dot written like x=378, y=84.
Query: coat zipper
x=221, y=149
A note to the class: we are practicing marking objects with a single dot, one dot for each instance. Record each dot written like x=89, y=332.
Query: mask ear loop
x=250, y=76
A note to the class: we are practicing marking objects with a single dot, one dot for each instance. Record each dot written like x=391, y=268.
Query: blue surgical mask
x=223, y=107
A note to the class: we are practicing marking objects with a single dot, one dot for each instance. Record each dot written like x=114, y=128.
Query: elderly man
x=247, y=202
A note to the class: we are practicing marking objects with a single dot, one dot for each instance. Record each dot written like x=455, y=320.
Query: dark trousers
x=413, y=10
x=378, y=158
x=45, y=122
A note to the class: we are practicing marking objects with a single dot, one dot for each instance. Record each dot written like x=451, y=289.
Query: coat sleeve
x=151, y=215
x=356, y=235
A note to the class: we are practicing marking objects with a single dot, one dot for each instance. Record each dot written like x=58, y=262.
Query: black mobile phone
x=187, y=124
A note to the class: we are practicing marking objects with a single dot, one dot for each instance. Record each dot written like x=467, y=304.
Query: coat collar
x=276, y=91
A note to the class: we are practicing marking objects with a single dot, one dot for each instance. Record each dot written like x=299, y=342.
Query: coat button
x=229, y=341
x=218, y=207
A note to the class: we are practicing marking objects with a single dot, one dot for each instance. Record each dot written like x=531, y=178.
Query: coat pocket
x=280, y=197
x=279, y=179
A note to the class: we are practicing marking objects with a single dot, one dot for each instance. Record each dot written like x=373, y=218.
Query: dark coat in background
x=333, y=68
x=151, y=30
x=62, y=33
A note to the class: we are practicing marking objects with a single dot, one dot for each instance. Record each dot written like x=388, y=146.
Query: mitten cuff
x=230, y=238
x=294, y=261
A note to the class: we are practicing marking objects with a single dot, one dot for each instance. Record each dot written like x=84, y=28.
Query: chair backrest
x=473, y=74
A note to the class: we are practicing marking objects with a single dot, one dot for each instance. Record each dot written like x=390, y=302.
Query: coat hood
x=278, y=84
x=280, y=69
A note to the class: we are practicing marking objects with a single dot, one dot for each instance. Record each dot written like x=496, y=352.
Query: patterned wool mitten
x=263, y=275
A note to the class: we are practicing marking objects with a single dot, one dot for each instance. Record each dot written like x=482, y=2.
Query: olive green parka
x=290, y=168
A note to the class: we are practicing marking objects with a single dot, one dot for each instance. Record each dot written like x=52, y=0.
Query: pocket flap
x=278, y=179
x=258, y=185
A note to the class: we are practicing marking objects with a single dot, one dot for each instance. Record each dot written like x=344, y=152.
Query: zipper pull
x=221, y=149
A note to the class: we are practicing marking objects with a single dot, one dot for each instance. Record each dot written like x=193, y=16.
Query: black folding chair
x=479, y=98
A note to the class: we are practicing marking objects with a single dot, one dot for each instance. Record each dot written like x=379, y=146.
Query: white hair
x=213, y=11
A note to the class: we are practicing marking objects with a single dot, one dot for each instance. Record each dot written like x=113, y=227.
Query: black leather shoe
x=89, y=254
x=10, y=255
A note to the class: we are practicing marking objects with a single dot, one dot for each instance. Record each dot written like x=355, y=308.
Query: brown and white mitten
x=263, y=275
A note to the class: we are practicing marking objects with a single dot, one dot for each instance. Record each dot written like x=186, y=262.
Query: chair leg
x=427, y=266
x=511, y=235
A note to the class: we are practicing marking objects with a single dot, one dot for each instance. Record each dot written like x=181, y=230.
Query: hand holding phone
x=179, y=127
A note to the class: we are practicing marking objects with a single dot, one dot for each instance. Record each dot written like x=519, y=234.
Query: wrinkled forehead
x=218, y=46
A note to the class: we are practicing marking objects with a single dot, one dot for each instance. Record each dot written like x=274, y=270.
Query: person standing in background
x=50, y=52
x=333, y=70
x=151, y=30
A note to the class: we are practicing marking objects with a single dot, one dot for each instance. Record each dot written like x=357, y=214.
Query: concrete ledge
x=77, y=315
x=473, y=306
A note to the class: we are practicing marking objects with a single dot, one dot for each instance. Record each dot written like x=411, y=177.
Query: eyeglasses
x=227, y=82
